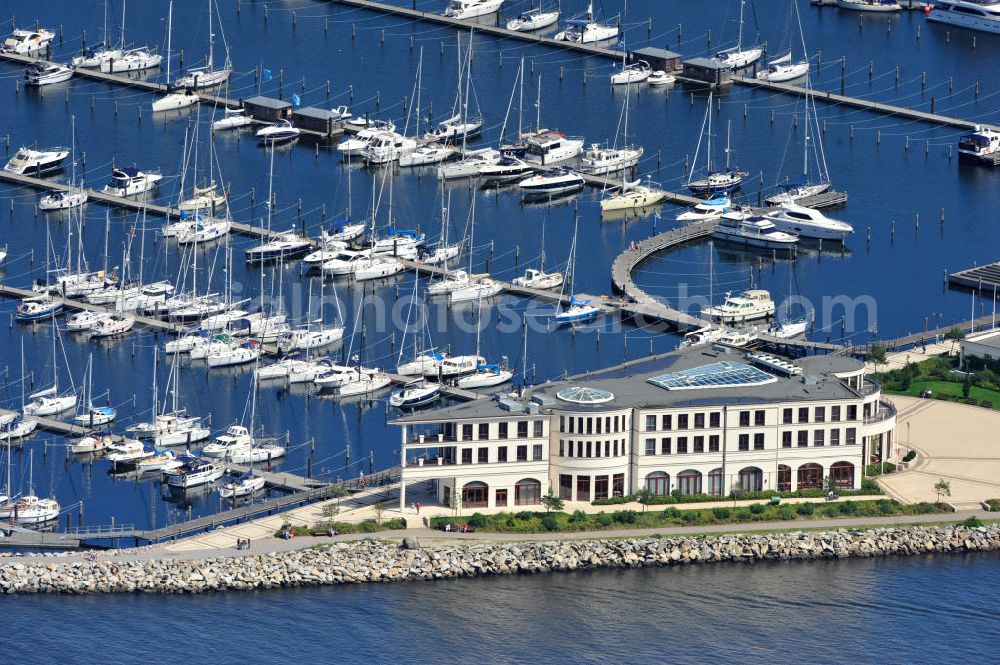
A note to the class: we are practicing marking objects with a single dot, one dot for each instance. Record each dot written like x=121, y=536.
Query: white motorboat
x=132, y=60
x=415, y=394
x=750, y=231
x=580, y=310
x=477, y=290
x=455, y=366
x=439, y=255
x=41, y=73
x=588, y=31
x=127, y=453
x=601, y=160
x=175, y=100
x=533, y=19
x=398, y=242
x=537, y=279
x=282, y=368
x=635, y=72
x=485, y=376
x=386, y=147
x=193, y=472
x=327, y=252
x=713, y=208
x=792, y=194
x=95, y=416
x=870, y=5
x=245, y=485
x=83, y=320
x=128, y=181
x=306, y=339
x=30, y=510
x=279, y=132
x=281, y=246
x=427, y=154
x=355, y=145
x=175, y=428
x=455, y=128
x=63, y=200
x=30, y=161
x=453, y=281
x=632, y=195
x=748, y=306
x=91, y=443
x=346, y=262
x=808, y=223
x=258, y=453
x=233, y=119
x=377, y=267
x=782, y=70
x=551, y=147
x=508, y=168
x=465, y=9
x=22, y=42
x=112, y=325
x=982, y=144
x=660, y=77
x=38, y=307
x=236, y=439
x=334, y=375
x=737, y=337
x=159, y=461
x=470, y=165
x=552, y=183
x=701, y=336
x=365, y=384
x=982, y=15
x=341, y=114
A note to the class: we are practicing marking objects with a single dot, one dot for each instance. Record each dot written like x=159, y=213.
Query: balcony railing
x=870, y=387
x=886, y=411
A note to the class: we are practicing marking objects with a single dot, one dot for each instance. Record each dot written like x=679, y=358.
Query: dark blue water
x=924, y=609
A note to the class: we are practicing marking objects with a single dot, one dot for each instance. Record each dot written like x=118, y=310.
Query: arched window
x=527, y=492
x=751, y=479
x=689, y=482
x=810, y=476
x=715, y=484
x=843, y=474
x=658, y=483
x=784, y=478
x=475, y=495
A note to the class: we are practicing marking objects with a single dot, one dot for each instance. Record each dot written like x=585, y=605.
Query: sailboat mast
x=211, y=37
x=170, y=30
x=520, y=99
x=739, y=38
x=538, y=105
x=123, y=25
x=420, y=76
x=729, y=131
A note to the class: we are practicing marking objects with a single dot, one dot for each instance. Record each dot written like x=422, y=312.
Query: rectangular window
x=758, y=441
x=583, y=488
x=804, y=414
x=744, y=419
x=502, y=429
x=579, y=425
x=484, y=431
x=590, y=425
x=579, y=448
x=536, y=452
x=522, y=453
x=650, y=423
x=835, y=437
x=565, y=487
x=650, y=446
x=502, y=453
x=539, y=427
x=616, y=447
x=466, y=455
x=599, y=421
x=699, y=444
x=851, y=436
x=589, y=448
x=607, y=449
x=600, y=487
x=682, y=444
x=786, y=416
x=607, y=424
x=820, y=414
x=714, y=419
x=713, y=443
x=522, y=429
x=852, y=411
x=744, y=442
x=699, y=421
x=483, y=456
x=467, y=432
x=501, y=498
x=819, y=438
x=562, y=423
x=667, y=421
x=562, y=448
x=570, y=447
x=618, y=484
x=803, y=438
x=835, y=414
x=682, y=421
x=665, y=445
x=758, y=417
x=786, y=439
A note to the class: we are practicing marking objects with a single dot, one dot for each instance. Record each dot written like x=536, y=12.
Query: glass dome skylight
x=584, y=395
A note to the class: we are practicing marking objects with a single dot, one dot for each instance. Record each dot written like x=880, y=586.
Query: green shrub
x=673, y=513
x=786, y=513
x=525, y=515
x=886, y=506
x=972, y=522
x=994, y=504
x=743, y=514
x=910, y=456
x=757, y=508
x=578, y=516
x=624, y=516
x=603, y=519
x=804, y=509
x=613, y=501
x=478, y=521
x=833, y=510
x=849, y=508
x=721, y=513
x=690, y=516
x=549, y=522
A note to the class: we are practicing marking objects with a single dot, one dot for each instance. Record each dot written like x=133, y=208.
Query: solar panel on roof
x=725, y=374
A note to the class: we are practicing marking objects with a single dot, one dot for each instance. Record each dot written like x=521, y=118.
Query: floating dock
x=985, y=278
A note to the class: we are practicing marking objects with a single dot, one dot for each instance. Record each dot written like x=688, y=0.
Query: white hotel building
x=698, y=421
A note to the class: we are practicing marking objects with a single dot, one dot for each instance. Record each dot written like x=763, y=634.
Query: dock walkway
x=978, y=278
x=155, y=324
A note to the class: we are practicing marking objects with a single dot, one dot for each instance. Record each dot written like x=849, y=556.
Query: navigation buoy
x=927, y=10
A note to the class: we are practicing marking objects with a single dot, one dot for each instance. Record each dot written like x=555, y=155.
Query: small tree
x=877, y=354
x=378, y=507
x=454, y=502
x=942, y=488
x=736, y=491
x=552, y=502
x=830, y=484
x=956, y=334
x=967, y=385
x=644, y=496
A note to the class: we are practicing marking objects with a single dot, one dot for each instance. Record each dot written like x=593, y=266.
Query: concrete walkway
x=900, y=359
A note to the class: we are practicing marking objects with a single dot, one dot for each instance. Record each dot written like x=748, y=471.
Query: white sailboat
x=738, y=57
x=29, y=509
x=714, y=181
x=52, y=401
x=485, y=375
x=74, y=196
x=588, y=31
x=537, y=278
x=579, y=310
x=177, y=99
x=93, y=57
x=208, y=76
x=92, y=416
x=631, y=194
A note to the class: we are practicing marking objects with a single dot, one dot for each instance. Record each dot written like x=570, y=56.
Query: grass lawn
x=951, y=388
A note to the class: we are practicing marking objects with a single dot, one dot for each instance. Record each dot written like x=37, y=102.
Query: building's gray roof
x=268, y=102
x=989, y=340
x=631, y=388
x=653, y=52
x=312, y=112
x=705, y=63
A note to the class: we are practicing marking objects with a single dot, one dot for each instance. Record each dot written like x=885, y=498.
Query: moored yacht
x=463, y=9
x=133, y=60
x=455, y=128
x=601, y=160
x=749, y=231
x=748, y=306
x=713, y=208
x=508, y=168
x=870, y=5
x=236, y=439
x=30, y=161
x=551, y=183
x=537, y=279
x=983, y=15
x=588, y=31
x=483, y=288
x=194, y=472
x=551, y=147
x=533, y=19
x=41, y=73
x=23, y=42
x=982, y=144
x=232, y=119
x=808, y=223
x=63, y=200
x=427, y=154
x=635, y=72
x=279, y=132
x=281, y=246
x=386, y=147
x=415, y=394
x=632, y=195
x=128, y=180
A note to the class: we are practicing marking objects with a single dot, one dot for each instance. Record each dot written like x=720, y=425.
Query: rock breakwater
x=379, y=561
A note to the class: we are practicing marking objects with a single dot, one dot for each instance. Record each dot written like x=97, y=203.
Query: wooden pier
x=155, y=324
x=52, y=425
x=985, y=278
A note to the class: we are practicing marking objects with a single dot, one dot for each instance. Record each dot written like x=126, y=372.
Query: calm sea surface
x=894, y=171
